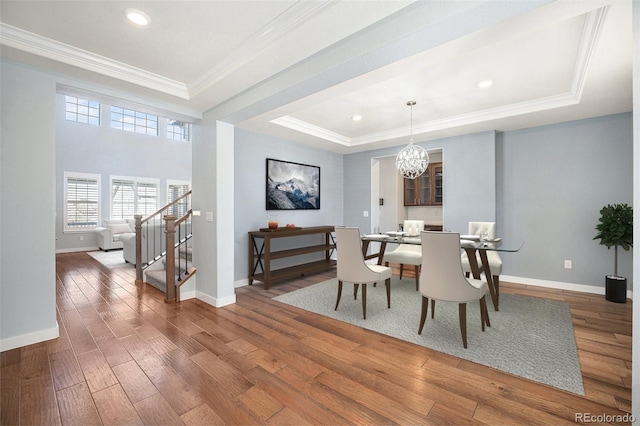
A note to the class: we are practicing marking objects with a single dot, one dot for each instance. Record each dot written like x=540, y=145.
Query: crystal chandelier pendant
x=412, y=160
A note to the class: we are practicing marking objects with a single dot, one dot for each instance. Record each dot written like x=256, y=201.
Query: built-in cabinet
x=426, y=189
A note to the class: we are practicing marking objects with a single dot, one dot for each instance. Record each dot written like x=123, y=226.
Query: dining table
x=472, y=244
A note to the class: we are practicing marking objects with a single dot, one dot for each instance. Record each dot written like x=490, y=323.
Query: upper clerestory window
x=134, y=121
x=82, y=110
x=178, y=130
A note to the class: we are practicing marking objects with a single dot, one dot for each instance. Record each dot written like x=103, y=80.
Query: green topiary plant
x=616, y=229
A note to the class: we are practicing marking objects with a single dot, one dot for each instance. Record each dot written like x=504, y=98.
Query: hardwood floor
x=124, y=356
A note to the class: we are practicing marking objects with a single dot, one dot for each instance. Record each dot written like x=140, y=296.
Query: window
x=131, y=196
x=175, y=190
x=82, y=110
x=178, y=130
x=134, y=121
x=82, y=201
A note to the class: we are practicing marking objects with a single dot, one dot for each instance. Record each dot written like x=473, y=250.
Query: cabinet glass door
x=425, y=189
x=438, y=184
x=410, y=192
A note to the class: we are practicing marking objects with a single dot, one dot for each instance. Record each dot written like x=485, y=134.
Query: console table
x=260, y=256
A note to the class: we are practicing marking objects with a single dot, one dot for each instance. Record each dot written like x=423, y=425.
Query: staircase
x=169, y=264
x=183, y=271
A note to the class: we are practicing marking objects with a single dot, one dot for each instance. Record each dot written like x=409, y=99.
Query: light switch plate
x=208, y=217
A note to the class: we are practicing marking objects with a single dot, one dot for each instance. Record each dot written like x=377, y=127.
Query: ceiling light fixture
x=413, y=160
x=136, y=16
x=485, y=84
x=356, y=117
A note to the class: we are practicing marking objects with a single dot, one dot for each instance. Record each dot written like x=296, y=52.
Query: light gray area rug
x=111, y=259
x=529, y=337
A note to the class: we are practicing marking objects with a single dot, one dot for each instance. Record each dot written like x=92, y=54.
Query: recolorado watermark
x=603, y=418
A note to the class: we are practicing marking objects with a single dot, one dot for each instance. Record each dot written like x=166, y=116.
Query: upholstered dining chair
x=442, y=279
x=352, y=267
x=495, y=262
x=408, y=254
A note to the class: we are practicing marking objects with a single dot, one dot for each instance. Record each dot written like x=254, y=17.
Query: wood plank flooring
x=126, y=357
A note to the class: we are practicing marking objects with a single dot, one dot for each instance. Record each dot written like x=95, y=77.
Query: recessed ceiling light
x=484, y=84
x=356, y=117
x=136, y=16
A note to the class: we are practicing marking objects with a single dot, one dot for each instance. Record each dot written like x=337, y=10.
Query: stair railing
x=182, y=227
x=152, y=229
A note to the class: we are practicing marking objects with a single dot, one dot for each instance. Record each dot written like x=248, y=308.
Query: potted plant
x=615, y=229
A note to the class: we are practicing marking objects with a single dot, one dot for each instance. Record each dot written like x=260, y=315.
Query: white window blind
x=131, y=196
x=82, y=201
x=175, y=191
x=147, y=198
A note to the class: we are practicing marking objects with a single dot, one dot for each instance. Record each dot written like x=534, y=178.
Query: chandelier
x=413, y=160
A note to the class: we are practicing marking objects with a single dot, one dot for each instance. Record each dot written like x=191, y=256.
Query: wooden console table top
x=283, y=232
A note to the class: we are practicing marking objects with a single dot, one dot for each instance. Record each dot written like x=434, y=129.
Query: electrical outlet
x=81, y=237
x=567, y=264
x=365, y=214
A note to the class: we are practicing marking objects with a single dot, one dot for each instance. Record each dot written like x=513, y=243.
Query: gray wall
x=251, y=152
x=27, y=197
x=553, y=181
x=105, y=151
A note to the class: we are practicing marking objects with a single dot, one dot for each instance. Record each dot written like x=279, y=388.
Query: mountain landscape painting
x=292, y=186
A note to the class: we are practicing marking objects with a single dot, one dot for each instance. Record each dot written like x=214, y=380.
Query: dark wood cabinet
x=426, y=189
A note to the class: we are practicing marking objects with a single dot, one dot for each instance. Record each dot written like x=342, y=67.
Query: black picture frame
x=292, y=186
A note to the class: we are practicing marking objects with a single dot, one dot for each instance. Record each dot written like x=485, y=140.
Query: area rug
x=529, y=337
x=110, y=259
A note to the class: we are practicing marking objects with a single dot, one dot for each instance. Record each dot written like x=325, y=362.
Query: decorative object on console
x=616, y=229
x=292, y=186
x=412, y=160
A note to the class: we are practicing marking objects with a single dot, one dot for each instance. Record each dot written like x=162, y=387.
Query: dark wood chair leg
x=483, y=314
x=433, y=308
x=387, y=284
x=483, y=304
x=423, y=314
x=417, y=277
x=401, y=268
x=496, y=284
x=339, y=294
x=364, y=301
x=355, y=291
x=462, y=313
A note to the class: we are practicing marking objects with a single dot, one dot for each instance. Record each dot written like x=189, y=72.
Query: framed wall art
x=292, y=186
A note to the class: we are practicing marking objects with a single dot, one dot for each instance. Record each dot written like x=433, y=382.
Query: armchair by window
x=110, y=235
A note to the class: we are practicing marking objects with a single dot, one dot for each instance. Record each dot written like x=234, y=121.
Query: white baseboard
x=216, y=303
x=186, y=295
x=558, y=285
x=29, y=338
x=77, y=249
x=241, y=283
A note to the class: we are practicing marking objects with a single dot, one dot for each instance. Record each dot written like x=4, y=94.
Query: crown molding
x=590, y=34
x=26, y=41
x=254, y=45
x=309, y=129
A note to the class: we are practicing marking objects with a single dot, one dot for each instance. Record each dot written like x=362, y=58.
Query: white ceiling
x=301, y=69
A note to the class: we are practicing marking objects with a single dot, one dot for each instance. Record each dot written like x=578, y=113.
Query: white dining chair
x=442, y=279
x=352, y=267
x=408, y=254
x=495, y=262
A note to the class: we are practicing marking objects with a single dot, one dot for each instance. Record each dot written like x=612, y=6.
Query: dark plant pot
x=616, y=289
